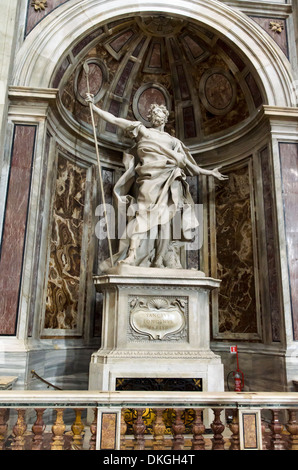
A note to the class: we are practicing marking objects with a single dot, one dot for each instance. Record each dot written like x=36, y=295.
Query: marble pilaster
x=14, y=230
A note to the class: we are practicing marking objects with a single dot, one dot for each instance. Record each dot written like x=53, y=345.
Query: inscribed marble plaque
x=158, y=318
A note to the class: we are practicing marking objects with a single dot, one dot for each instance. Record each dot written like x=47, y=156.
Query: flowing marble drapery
x=152, y=191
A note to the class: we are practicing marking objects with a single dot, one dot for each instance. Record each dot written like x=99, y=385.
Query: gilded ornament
x=39, y=5
x=276, y=27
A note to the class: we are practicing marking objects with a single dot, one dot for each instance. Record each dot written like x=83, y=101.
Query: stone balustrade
x=183, y=421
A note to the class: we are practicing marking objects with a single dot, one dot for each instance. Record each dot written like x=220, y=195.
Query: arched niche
x=49, y=42
x=50, y=59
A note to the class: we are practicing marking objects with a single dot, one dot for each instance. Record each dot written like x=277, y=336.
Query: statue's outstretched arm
x=108, y=117
x=201, y=171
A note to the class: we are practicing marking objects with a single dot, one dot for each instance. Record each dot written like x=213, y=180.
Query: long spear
x=86, y=69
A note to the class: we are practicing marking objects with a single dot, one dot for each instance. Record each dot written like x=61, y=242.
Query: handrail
x=141, y=399
x=119, y=420
x=49, y=384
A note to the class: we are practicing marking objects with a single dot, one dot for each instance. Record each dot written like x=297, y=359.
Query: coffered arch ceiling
x=207, y=86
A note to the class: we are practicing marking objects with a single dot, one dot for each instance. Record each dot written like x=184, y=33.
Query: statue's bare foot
x=158, y=263
x=130, y=259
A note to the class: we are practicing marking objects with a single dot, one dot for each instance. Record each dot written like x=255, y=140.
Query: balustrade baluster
x=198, y=429
x=19, y=430
x=4, y=414
x=276, y=427
x=292, y=428
x=38, y=429
x=58, y=430
x=123, y=429
x=178, y=429
x=159, y=429
x=217, y=428
x=139, y=429
x=234, y=428
x=93, y=430
x=264, y=435
x=77, y=430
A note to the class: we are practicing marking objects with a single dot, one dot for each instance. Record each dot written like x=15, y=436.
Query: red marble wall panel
x=175, y=50
x=95, y=80
x=114, y=109
x=183, y=85
x=86, y=40
x=289, y=165
x=255, y=92
x=218, y=91
x=60, y=72
x=137, y=50
x=37, y=14
x=232, y=55
x=193, y=256
x=148, y=97
x=13, y=240
x=192, y=45
x=189, y=122
x=276, y=28
x=108, y=431
x=120, y=41
x=273, y=286
x=103, y=249
x=38, y=242
x=155, y=59
x=120, y=87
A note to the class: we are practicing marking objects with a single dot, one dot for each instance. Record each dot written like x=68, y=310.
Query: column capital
x=30, y=103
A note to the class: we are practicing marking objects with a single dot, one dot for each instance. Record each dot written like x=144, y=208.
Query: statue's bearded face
x=158, y=117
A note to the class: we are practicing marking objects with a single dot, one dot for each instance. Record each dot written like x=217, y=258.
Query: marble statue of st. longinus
x=154, y=190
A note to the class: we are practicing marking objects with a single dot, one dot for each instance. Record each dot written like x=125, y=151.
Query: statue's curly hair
x=160, y=106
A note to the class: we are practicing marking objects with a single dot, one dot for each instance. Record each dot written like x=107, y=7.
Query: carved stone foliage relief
x=39, y=5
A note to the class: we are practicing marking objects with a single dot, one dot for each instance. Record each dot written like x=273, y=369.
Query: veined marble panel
x=235, y=251
x=63, y=287
x=39, y=238
x=273, y=287
x=103, y=248
x=193, y=256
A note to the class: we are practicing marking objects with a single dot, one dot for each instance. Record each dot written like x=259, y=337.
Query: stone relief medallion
x=217, y=91
x=98, y=78
x=158, y=318
x=146, y=95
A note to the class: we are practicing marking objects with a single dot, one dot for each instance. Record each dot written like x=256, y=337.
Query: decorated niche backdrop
x=133, y=62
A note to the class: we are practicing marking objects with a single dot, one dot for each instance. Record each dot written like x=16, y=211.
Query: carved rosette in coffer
x=162, y=318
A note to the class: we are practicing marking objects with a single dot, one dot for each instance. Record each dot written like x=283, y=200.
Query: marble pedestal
x=155, y=325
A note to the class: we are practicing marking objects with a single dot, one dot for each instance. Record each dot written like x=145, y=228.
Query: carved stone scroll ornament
x=158, y=318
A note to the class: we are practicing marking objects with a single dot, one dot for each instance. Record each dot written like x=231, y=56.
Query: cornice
x=32, y=94
x=281, y=113
x=268, y=9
